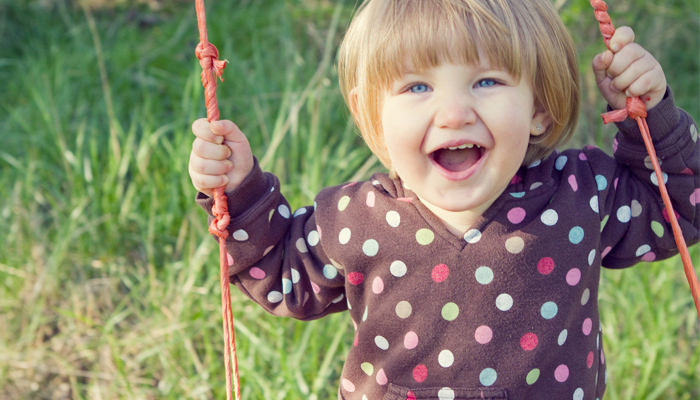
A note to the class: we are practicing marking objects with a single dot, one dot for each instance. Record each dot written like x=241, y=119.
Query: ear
x=540, y=122
x=352, y=100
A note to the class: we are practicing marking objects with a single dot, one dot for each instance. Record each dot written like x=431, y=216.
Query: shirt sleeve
x=276, y=255
x=634, y=220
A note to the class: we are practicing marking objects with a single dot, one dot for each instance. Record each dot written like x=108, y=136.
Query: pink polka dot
x=587, y=326
x=561, y=374
x=648, y=257
x=410, y=395
x=440, y=272
x=528, y=341
x=420, y=372
x=357, y=340
x=573, y=276
x=573, y=183
x=605, y=251
x=410, y=341
x=370, y=199
x=349, y=184
x=516, y=215
x=516, y=179
x=688, y=171
x=582, y=156
x=381, y=377
x=355, y=278
x=348, y=386
x=405, y=199
x=257, y=273
x=666, y=217
x=589, y=359
x=615, y=182
x=483, y=334
x=602, y=357
x=545, y=265
x=315, y=288
x=377, y=285
x=615, y=146
x=229, y=258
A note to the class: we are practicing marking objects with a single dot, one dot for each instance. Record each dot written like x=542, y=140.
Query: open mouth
x=459, y=158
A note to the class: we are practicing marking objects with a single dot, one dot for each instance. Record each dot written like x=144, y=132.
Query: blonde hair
x=524, y=37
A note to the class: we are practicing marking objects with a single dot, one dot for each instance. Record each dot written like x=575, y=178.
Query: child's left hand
x=628, y=71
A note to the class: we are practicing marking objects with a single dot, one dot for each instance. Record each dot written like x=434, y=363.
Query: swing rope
x=212, y=68
x=636, y=110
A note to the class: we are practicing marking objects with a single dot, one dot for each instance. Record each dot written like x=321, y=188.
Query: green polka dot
x=450, y=311
x=367, y=368
x=657, y=228
x=532, y=376
x=603, y=222
x=343, y=203
x=269, y=218
x=425, y=236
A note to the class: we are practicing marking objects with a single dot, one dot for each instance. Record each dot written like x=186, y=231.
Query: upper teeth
x=464, y=146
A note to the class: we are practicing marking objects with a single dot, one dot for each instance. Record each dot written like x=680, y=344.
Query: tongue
x=456, y=160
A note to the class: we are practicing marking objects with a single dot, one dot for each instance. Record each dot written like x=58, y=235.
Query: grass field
x=108, y=278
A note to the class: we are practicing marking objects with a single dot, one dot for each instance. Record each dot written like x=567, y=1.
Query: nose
x=455, y=111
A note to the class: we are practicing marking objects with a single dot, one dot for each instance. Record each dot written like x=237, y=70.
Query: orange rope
x=637, y=110
x=212, y=68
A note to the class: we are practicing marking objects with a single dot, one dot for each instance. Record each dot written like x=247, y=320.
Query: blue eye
x=486, y=83
x=418, y=88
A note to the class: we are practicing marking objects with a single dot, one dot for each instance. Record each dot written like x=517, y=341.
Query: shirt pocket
x=397, y=392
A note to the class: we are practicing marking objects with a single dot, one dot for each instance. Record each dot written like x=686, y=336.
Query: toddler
x=471, y=269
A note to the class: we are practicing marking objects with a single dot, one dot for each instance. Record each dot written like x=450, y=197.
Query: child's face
x=486, y=117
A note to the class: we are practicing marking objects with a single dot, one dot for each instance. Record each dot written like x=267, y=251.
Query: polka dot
x=274, y=297
x=398, y=268
x=657, y=228
x=578, y=394
x=573, y=276
x=535, y=185
x=367, y=368
x=301, y=211
x=483, y=334
x=301, y=246
x=655, y=179
x=381, y=377
x=393, y=219
x=549, y=310
x=535, y=164
x=624, y=214
x=355, y=278
x=518, y=195
x=348, y=386
x=594, y=204
x=515, y=245
x=649, y=257
x=344, y=236
x=446, y=358
x=694, y=133
x=576, y=235
x=410, y=341
x=370, y=247
x=364, y=315
x=317, y=290
x=450, y=311
x=446, y=394
x=603, y=222
x=330, y=271
x=425, y=236
x=529, y=341
x=504, y=302
x=589, y=359
x=545, y=266
x=516, y=215
x=370, y=199
x=582, y=156
x=420, y=372
x=229, y=257
x=440, y=272
x=587, y=326
x=561, y=374
x=643, y=249
x=286, y=286
x=240, y=235
x=591, y=257
x=381, y=342
x=606, y=251
x=377, y=285
x=585, y=297
x=257, y=273
x=601, y=182
x=488, y=376
x=283, y=210
x=532, y=376
x=695, y=197
x=313, y=238
x=404, y=309
x=484, y=275
x=562, y=337
x=549, y=217
x=343, y=203
x=560, y=163
x=472, y=236
x=573, y=183
x=635, y=208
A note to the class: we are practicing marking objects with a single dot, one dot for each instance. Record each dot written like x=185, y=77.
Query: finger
x=624, y=58
x=651, y=86
x=206, y=183
x=637, y=71
x=210, y=151
x=210, y=167
x=202, y=129
x=600, y=64
x=622, y=37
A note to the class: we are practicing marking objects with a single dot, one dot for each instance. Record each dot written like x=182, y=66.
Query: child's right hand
x=220, y=156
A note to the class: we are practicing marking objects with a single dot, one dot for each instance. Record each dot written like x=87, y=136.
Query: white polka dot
x=504, y=302
x=295, y=276
x=515, y=245
x=240, y=235
x=535, y=185
x=534, y=164
x=643, y=249
x=398, y=269
x=381, y=342
x=560, y=163
x=286, y=286
x=344, y=236
x=393, y=219
x=300, y=211
x=591, y=257
x=338, y=299
x=578, y=394
x=301, y=246
x=329, y=271
x=313, y=238
x=636, y=208
x=624, y=214
x=446, y=394
x=274, y=297
x=370, y=247
x=594, y=204
x=472, y=236
x=549, y=217
x=585, y=297
x=601, y=182
x=694, y=133
x=364, y=315
x=484, y=275
x=404, y=309
x=284, y=211
x=446, y=358
x=655, y=180
x=562, y=337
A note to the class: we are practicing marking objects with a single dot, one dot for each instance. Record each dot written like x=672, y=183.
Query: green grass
x=108, y=278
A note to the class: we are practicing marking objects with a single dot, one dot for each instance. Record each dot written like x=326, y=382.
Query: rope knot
x=222, y=218
x=634, y=109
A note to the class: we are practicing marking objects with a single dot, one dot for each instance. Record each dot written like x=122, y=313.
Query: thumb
x=600, y=64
